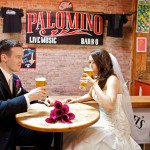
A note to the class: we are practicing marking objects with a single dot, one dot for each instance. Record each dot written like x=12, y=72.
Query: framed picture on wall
x=143, y=16
x=141, y=44
x=29, y=58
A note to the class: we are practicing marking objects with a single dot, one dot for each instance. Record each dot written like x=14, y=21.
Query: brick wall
x=62, y=64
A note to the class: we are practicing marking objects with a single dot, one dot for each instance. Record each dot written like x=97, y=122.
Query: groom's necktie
x=10, y=84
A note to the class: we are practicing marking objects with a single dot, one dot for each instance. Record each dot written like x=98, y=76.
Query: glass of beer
x=89, y=71
x=40, y=81
x=83, y=82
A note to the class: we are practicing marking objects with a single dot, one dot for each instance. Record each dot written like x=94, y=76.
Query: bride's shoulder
x=113, y=81
x=113, y=78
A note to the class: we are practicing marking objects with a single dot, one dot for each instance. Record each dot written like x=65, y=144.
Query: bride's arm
x=107, y=99
x=85, y=97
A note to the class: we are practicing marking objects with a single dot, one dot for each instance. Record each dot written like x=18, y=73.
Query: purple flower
x=65, y=119
x=17, y=84
x=58, y=104
x=60, y=112
x=52, y=113
x=71, y=116
x=65, y=108
x=51, y=120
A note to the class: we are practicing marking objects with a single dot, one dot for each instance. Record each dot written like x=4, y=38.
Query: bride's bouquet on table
x=60, y=113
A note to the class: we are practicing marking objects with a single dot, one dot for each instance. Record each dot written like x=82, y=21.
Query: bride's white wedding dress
x=111, y=132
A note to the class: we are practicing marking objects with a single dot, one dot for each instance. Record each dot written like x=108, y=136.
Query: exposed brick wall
x=62, y=64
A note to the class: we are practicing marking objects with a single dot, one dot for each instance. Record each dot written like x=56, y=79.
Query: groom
x=15, y=99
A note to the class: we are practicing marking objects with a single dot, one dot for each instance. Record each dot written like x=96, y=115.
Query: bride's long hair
x=104, y=64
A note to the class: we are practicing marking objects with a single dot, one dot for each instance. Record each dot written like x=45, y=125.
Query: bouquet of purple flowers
x=60, y=113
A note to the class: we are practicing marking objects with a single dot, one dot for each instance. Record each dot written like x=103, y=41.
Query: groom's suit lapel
x=4, y=84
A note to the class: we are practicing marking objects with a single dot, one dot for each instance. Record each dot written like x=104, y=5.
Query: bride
x=115, y=128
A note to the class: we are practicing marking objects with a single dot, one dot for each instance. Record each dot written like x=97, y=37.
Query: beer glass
x=89, y=71
x=83, y=82
x=40, y=81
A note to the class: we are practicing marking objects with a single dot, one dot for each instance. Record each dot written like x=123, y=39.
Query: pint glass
x=89, y=71
x=40, y=82
x=83, y=82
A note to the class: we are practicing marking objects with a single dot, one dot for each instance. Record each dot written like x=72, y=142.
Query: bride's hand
x=70, y=100
x=88, y=79
x=49, y=102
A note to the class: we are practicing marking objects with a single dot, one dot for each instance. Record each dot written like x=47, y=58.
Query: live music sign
x=64, y=27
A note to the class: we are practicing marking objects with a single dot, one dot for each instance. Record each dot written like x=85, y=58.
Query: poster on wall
x=29, y=58
x=141, y=44
x=143, y=16
x=64, y=27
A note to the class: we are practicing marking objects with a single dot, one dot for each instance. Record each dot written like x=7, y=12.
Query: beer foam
x=87, y=69
x=40, y=79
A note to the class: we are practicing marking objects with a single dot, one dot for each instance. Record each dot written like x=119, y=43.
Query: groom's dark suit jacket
x=10, y=104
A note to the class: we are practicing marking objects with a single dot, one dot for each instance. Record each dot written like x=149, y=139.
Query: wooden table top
x=34, y=119
x=140, y=101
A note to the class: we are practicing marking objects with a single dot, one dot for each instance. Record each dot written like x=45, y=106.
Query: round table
x=34, y=119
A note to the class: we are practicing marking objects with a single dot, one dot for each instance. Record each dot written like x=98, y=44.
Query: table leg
x=58, y=140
